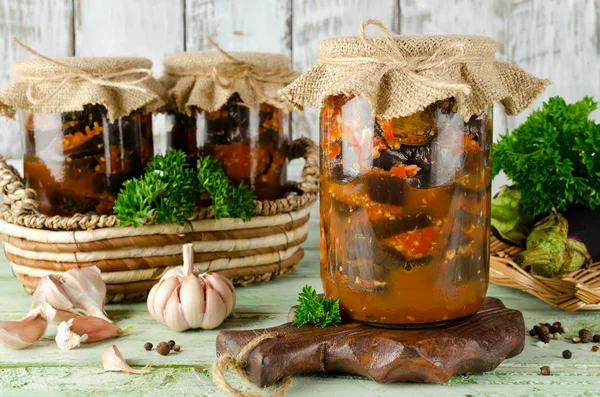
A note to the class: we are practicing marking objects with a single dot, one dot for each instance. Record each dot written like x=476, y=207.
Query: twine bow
x=238, y=364
x=126, y=79
x=389, y=57
x=227, y=74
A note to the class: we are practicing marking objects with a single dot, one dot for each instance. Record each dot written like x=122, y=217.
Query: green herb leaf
x=552, y=157
x=169, y=189
x=316, y=309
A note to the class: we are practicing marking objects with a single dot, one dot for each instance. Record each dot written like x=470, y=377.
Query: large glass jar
x=405, y=212
x=78, y=161
x=251, y=144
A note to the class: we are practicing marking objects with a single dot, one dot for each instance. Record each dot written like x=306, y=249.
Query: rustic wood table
x=45, y=370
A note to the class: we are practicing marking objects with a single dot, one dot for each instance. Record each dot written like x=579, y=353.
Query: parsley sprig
x=168, y=191
x=553, y=157
x=316, y=309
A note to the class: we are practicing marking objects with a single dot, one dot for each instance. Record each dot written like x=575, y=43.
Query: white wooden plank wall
x=558, y=39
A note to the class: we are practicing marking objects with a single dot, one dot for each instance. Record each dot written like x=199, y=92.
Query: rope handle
x=308, y=150
x=20, y=199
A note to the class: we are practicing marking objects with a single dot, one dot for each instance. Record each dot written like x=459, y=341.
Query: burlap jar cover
x=46, y=85
x=400, y=75
x=207, y=79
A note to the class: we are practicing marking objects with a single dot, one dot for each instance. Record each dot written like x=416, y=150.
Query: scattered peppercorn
x=171, y=343
x=556, y=324
x=545, y=370
x=543, y=330
x=545, y=338
x=567, y=354
x=163, y=348
x=595, y=348
x=585, y=336
x=565, y=329
x=148, y=346
x=576, y=339
x=553, y=329
x=176, y=348
x=561, y=330
x=556, y=335
x=532, y=332
x=596, y=338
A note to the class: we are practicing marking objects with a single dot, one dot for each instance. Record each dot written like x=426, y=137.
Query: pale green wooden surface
x=44, y=370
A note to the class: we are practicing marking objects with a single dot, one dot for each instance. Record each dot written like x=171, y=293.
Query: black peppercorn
x=596, y=338
x=532, y=332
x=567, y=354
x=163, y=348
x=148, y=346
x=585, y=336
x=545, y=338
x=560, y=330
x=171, y=343
x=176, y=348
x=553, y=329
x=545, y=370
x=536, y=329
x=543, y=330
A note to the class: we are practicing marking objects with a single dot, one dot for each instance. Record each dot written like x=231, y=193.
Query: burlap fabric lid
x=207, y=79
x=45, y=85
x=400, y=75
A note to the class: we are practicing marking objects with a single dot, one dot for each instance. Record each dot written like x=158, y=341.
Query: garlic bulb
x=22, y=334
x=77, y=292
x=86, y=329
x=183, y=300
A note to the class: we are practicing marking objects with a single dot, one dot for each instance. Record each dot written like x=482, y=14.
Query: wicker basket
x=578, y=290
x=132, y=260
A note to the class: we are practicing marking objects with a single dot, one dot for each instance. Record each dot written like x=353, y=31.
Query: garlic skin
x=86, y=329
x=24, y=333
x=113, y=360
x=184, y=300
x=77, y=292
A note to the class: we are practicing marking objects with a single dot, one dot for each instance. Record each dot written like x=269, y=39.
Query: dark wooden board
x=475, y=344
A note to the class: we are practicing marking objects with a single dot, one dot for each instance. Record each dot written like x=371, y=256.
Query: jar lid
x=400, y=75
x=207, y=79
x=48, y=85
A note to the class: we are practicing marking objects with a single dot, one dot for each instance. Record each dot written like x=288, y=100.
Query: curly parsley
x=553, y=157
x=316, y=309
x=168, y=191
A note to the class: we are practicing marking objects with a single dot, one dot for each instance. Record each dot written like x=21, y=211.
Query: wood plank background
x=557, y=39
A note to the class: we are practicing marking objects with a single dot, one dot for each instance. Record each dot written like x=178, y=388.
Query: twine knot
x=126, y=79
x=238, y=364
x=388, y=56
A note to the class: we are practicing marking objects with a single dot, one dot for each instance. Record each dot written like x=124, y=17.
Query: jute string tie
x=388, y=56
x=238, y=365
x=226, y=74
x=126, y=79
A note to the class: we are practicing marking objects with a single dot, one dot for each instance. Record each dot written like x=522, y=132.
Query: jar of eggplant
x=236, y=118
x=87, y=128
x=405, y=171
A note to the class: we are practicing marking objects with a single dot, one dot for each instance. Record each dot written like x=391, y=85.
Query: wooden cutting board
x=475, y=344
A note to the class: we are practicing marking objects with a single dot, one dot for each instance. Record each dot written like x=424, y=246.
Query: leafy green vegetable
x=552, y=157
x=316, y=309
x=168, y=191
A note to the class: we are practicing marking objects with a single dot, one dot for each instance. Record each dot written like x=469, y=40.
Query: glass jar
x=78, y=161
x=251, y=144
x=405, y=212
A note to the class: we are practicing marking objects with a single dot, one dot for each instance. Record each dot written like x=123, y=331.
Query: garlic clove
x=22, y=334
x=95, y=328
x=191, y=295
x=173, y=313
x=113, y=360
x=54, y=293
x=86, y=289
x=215, y=309
x=67, y=339
x=225, y=289
x=164, y=291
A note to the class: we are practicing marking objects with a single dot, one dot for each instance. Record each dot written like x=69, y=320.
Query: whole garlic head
x=184, y=300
